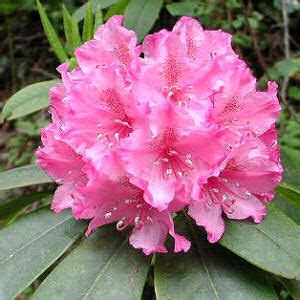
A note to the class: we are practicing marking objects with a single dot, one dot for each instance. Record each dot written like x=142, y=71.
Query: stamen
x=107, y=215
x=169, y=171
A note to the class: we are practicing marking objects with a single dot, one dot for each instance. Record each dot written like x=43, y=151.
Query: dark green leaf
x=23, y=176
x=88, y=24
x=79, y=14
x=292, y=286
x=291, y=162
x=290, y=210
x=71, y=31
x=273, y=245
x=28, y=247
x=21, y=202
x=52, y=35
x=290, y=193
x=98, y=18
x=102, y=267
x=294, y=92
x=140, y=15
x=182, y=8
x=117, y=9
x=208, y=272
x=28, y=100
x=68, y=28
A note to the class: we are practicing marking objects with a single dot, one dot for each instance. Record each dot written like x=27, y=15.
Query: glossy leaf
x=291, y=162
x=21, y=202
x=290, y=210
x=273, y=245
x=290, y=193
x=80, y=13
x=52, y=34
x=88, y=24
x=71, y=31
x=23, y=176
x=30, y=99
x=103, y=267
x=28, y=247
x=208, y=272
x=140, y=15
x=98, y=18
x=292, y=286
x=182, y=8
x=117, y=9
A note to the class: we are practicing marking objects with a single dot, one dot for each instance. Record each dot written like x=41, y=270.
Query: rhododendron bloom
x=141, y=132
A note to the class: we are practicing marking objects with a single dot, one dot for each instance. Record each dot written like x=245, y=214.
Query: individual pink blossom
x=248, y=174
x=112, y=43
x=61, y=162
x=141, y=132
x=113, y=196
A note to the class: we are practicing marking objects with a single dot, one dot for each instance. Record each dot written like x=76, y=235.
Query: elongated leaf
x=102, y=267
x=208, y=272
x=290, y=193
x=290, y=210
x=28, y=247
x=117, y=9
x=292, y=286
x=68, y=29
x=52, y=35
x=291, y=162
x=28, y=100
x=141, y=15
x=288, y=200
x=23, y=176
x=71, y=31
x=182, y=8
x=19, y=203
x=79, y=14
x=88, y=23
x=98, y=18
x=273, y=245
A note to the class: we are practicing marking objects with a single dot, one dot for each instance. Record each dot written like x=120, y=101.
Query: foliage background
x=262, y=36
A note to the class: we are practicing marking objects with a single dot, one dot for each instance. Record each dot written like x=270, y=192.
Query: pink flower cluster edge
x=141, y=132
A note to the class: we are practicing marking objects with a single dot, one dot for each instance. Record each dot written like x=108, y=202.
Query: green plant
x=251, y=261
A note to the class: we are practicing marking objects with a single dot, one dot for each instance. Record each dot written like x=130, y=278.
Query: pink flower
x=135, y=139
x=112, y=43
x=116, y=197
x=248, y=175
x=62, y=163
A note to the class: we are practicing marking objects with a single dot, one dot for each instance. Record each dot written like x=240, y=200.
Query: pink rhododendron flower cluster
x=140, y=132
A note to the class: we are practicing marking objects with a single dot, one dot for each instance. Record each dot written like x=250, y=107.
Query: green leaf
x=291, y=162
x=208, y=272
x=21, y=202
x=117, y=9
x=23, y=176
x=294, y=93
x=80, y=13
x=52, y=34
x=68, y=28
x=290, y=193
x=140, y=15
x=273, y=245
x=182, y=8
x=88, y=23
x=103, y=267
x=31, y=245
x=290, y=210
x=28, y=100
x=292, y=286
x=98, y=18
x=71, y=31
